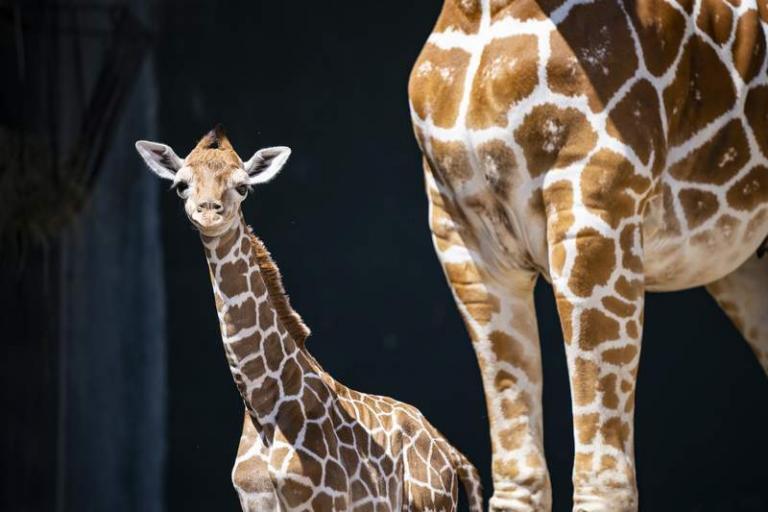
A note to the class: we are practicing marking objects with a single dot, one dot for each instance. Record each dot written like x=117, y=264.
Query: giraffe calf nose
x=216, y=206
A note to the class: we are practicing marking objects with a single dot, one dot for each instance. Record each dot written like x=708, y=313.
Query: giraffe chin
x=215, y=228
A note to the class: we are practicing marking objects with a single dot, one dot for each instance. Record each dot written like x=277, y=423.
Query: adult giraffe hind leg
x=595, y=252
x=743, y=295
x=501, y=319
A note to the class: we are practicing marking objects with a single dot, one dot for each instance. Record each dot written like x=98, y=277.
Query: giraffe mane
x=274, y=282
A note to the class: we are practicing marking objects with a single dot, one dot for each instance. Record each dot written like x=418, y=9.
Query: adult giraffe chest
x=510, y=97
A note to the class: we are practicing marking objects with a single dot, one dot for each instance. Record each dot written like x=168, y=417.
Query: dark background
x=347, y=223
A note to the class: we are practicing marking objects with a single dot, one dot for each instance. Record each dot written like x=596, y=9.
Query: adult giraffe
x=613, y=147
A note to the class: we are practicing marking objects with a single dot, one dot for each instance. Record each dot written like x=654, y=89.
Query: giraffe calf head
x=212, y=180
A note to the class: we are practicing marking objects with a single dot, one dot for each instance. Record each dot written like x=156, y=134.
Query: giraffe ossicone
x=309, y=443
x=611, y=147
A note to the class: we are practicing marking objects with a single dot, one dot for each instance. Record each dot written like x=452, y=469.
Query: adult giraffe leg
x=596, y=267
x=743, y=295
x=499, y=313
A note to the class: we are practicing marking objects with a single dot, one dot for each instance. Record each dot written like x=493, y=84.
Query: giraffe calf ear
x=266, y=163
x=160, y=158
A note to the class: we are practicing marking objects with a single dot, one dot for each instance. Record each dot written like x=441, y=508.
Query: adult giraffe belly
x=693, y=237
x=710, y=208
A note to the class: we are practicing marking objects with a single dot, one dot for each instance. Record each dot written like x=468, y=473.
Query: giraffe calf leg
x=250, y=474
x=259, y=501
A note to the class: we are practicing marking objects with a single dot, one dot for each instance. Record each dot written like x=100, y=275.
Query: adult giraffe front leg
x=743, y=295
x=498, y=310
x=595, y=251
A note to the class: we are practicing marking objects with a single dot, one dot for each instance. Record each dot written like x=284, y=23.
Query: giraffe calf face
x=212, y=194
x=212, y=180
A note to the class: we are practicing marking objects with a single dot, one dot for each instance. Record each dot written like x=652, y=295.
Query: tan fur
x=222, y=157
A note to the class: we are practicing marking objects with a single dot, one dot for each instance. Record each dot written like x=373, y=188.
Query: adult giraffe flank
x=308, y=442
x=612, y=147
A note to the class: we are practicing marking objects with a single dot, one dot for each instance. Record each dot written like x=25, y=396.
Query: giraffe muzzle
x=210, y=206
x=210, y=223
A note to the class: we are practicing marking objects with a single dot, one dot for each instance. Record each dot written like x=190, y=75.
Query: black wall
x=347, y=223
x=82, y=326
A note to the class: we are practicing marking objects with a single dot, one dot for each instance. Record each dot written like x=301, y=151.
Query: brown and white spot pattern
x=629, y=153
x=310, y=443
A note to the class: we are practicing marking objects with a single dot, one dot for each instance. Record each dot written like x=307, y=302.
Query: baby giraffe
x=308, y=442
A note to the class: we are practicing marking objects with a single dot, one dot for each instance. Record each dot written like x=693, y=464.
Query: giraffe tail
x=470, y=478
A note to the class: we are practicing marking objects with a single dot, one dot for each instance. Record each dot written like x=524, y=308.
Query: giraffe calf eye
x=242, y=189
x=181, y=187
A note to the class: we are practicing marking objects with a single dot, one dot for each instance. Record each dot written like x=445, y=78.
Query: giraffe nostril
x=216, y=206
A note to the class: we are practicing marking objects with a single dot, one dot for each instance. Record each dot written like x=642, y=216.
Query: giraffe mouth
x=211, y=224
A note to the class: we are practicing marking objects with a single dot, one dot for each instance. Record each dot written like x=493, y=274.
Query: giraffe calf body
x=308, y=442
x=311, y=443
x=366, y=453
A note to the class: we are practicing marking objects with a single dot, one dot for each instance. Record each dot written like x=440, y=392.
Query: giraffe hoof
x=617, y=500
x=520, y=500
